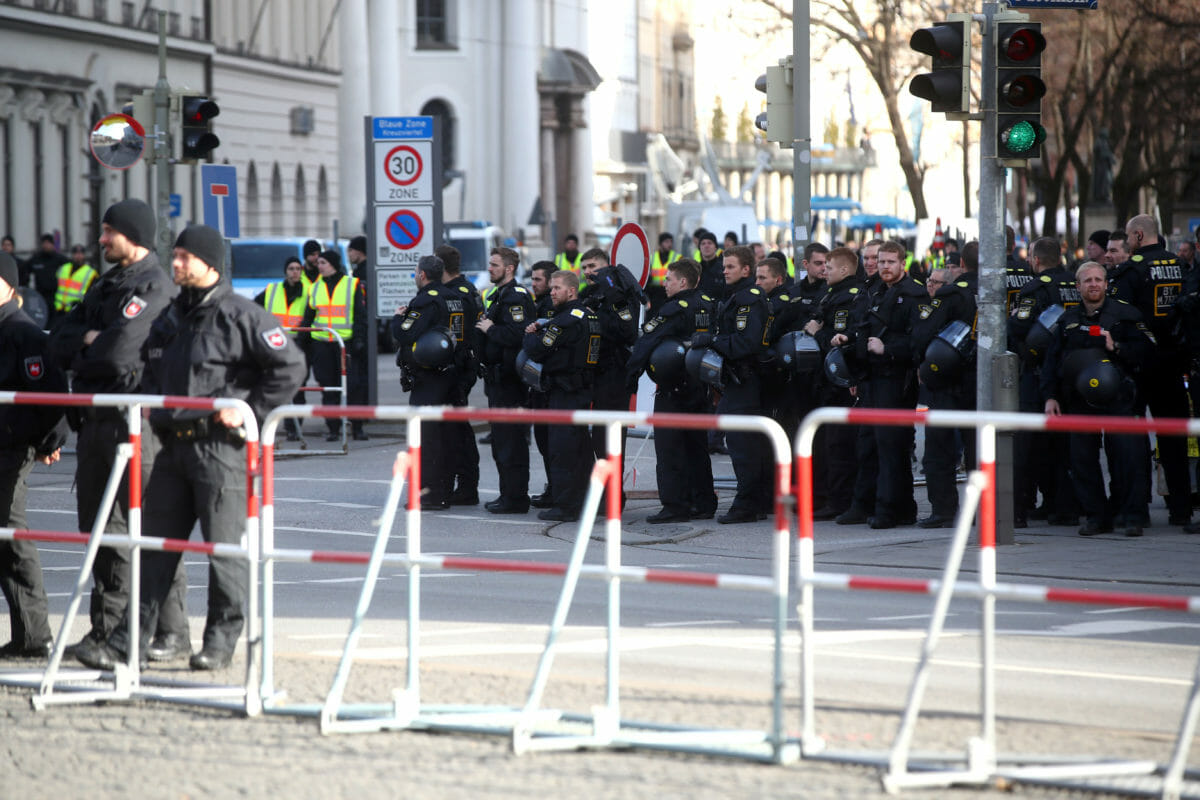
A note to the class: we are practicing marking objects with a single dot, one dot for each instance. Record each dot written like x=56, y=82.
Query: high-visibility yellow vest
x=289, y=316
x=489, y=296
x=73, y=283
x=791, y=267
x=562, y=262
x=335, y=312
x=658, y=268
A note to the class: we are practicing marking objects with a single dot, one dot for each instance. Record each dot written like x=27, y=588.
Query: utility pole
x=801, y=131
x=162, y=148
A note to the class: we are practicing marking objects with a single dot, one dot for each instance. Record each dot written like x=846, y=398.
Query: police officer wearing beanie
x=100, y=342
x=1101, y=329
x=210, y=342
x=338, y=301
x=1040, y=458
x=684, y=469
x=27, y=434
x=568, y=348
x=433, y=311
x=460, y=436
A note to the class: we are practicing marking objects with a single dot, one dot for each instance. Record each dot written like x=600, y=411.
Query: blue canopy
x=830, y=203
x=869, y=221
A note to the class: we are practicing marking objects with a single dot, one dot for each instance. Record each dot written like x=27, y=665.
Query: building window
x=197, y=28
x=441, y=110
x=276, y=222
x=127, y=12
x=100, y=10
x=433, y=25
x=300, y=192
x=252, y=209
x=173, y=23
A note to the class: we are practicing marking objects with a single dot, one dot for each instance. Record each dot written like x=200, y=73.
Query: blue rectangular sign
x=402, y=127
x=1088, y=4
x=219, y=189
x=176, y=201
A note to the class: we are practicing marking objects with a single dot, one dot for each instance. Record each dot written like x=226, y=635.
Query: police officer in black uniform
x=1040, y=459
x=100, y=342
x=1160, y=382
x=1099, y=345
x=882, y=339
x=539, y=284
x=741, y=339
x=1017, y=271
x=460, y=437
x=27, y=434
x=954, y=302
x=683, y=470
x=613, y=295
x=210, y=342
x=712, y=266
x=844, y=295
x=568, y=348
x=431, y=370
x=503, y=329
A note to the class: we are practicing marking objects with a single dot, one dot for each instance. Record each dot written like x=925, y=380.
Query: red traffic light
x=1021, y=44
x=199, y=110
x=1022, y=91
x=943, y=41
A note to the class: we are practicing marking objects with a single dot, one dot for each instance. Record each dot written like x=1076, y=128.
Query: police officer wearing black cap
x=1039, y=458
x=949, y=379
x=840, y=305
x=684, y=470
x=28, y=434
x=568, y=348
x=460, y=437
x=1158, y=284
x=1098, y=346
x=100, y=342
x=424, y=333
x=740, y=339
x=712, y=265
x=210, y=342
x=503, y=330
x=883, y=345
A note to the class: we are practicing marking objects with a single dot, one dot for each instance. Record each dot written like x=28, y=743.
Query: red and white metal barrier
x=982, y=761
x=608, y=729
x=127, y=682
x=342, y=388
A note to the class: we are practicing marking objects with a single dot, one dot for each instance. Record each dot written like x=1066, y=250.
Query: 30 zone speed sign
x=402, y=171
x=404, y=165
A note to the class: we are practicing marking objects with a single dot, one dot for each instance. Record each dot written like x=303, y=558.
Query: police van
x=474, y=240
x=259, y=262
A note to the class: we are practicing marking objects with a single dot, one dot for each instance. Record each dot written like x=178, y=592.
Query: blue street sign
x=176, y=205
x=403, y=127
x=219, y=189
x=1088, y=4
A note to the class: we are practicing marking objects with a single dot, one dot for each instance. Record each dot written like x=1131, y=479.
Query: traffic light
x=776, y=121
x=948, y=87
x=1019, y=90
x=197, y=140
x=141, y=108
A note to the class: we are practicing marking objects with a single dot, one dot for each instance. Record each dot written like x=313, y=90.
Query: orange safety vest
x=289, y=316
x=335, y=312
x=658, y=268
x=72, y=285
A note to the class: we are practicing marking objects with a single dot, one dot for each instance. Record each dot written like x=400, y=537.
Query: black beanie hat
x=708, y=236
x=334, y=258
x=311, y=246
x=134, y=219
x=1100, y=237
x=8, y=270
x=358, y=243
x=204, y=243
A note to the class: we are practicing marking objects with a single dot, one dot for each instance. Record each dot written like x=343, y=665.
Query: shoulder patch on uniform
x=464, y=290
x=963, y=285
x=34, y=369
x=1137, y=259
x=520, y=289
x=706, y=297
x=577, y=313
x=409, y=319
x=1122, y=302
x=625, y=314
x=784, y=297
x=755, y=291
x=1045, y=279
x=433, y=292
x=854, y=290
x=651, y=325
x=683, y=303
x=135, y=306
x=517, y=312
x=275, y=338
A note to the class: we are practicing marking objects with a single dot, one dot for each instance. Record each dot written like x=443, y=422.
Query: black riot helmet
x=798, y=352
x=705, y=365
x=947, y=355
x=530, y=371
x=434, y=349
x=1099, y=384
x=838, y=370
x=667, y=365
x=1042, y=333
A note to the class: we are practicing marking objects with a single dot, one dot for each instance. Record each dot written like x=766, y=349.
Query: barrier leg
x=810, y=743
x=253, y=620
x=46, y=689
x=266, y=691
x=329, y=712
x=412, y=542
x=522, y=733
x=898, y=775
x=984, y=749
x=1173, y=779
x=133, y=418
x=608, y=721
x=782, y=531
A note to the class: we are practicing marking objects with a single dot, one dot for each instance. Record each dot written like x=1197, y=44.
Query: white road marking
x=50, y=511
x=684, y=624
x=335, y=531
x=904, y=616
x=323, y=479
x=521, y=550
x=314, y=636
x=490, y=519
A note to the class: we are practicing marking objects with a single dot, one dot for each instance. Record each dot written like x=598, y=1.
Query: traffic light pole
x=162, y=149
x=996, y=375
x=801, y=133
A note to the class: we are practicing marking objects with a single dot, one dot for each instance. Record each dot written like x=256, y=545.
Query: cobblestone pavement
x=149, y=749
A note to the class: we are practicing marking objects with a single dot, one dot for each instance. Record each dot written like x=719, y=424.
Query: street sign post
x=218, y=184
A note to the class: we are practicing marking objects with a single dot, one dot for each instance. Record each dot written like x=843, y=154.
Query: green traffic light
x=1021, y=137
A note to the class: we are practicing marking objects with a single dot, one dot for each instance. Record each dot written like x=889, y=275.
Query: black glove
x=702, y=340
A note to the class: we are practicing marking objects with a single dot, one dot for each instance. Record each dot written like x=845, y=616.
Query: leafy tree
x=745, y=125
x=716, y=131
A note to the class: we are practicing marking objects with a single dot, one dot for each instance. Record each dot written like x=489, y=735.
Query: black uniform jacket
x=675, y=319
x=564, y=343
x=954, y=302
x=426, y=311
x=512, y=309
x=742, y=322
x=890, y=317
x=26, y=367
x=1079, y=330
x=214, y=343
x=122, y=304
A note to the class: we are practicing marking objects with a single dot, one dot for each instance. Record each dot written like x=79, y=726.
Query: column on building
x=519, y=104
x=548, y=126
x=353, y=105
x=7, y=113
x=384, y=16
x=59, y=193
x=25, y=214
